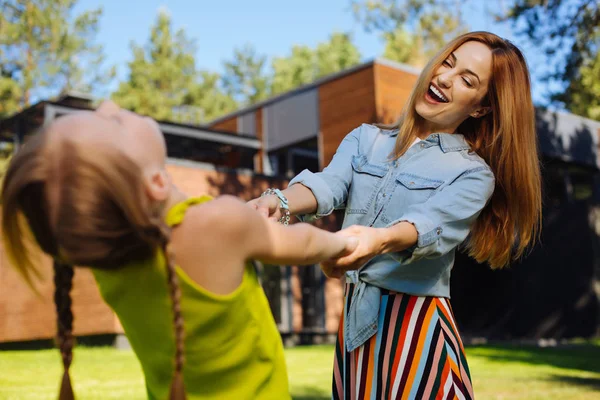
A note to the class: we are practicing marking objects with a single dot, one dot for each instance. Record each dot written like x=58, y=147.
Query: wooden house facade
x=551, y=293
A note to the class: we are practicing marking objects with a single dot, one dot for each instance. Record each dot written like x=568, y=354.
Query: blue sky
x=272, y=26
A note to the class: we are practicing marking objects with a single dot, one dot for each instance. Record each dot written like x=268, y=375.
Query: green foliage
x=582, y=96
x=403, y=47
x=245, y=78
x=206, y=95
x=337, y=54
x=159, y=74
x=568, y=32
x=45, y=50
x=413, y=30
x=164, y=82
x=299, y=68
x=304, y=64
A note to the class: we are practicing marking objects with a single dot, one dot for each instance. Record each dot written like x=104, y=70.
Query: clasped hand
x=367, y=248
x=368, y=240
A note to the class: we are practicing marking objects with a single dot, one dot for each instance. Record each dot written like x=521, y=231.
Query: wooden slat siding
x=258, y=120
x=26, y=316
x=258, y=164
x=228, y=125
x=334, y=304
x=345, y=104
x=392, y=88
x=297, y=322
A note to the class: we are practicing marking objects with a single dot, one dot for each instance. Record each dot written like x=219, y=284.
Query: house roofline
x=314, y=84
x=167, y=127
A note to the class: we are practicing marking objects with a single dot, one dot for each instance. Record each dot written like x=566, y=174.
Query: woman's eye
x=447, y=64
x=467, y=82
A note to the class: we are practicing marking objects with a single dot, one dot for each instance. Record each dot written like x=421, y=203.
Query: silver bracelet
x=283, y=204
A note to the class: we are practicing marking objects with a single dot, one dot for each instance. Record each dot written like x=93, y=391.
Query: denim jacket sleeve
x=330, y=187
x=444, y=221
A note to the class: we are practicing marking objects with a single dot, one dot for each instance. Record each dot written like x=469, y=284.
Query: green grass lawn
x=499, y=372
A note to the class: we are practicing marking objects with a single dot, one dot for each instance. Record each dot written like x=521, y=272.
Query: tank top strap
x=177, y=212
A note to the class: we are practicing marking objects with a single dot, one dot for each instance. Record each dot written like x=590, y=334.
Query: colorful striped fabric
x=416, y=353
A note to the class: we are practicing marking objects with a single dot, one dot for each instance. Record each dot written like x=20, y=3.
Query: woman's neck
x=429, y=128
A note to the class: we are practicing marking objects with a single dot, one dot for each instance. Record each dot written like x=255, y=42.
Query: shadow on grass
x=311, y=397
x=310, y=393
x=583, y=357
x=592, y=383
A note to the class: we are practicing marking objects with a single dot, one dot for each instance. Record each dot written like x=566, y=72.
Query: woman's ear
x=158, y=184
x=480, y=112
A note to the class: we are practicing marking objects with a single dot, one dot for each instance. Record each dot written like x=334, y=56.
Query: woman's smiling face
x=457, y=88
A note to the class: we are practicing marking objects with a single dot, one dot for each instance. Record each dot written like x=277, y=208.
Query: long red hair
x=506, y=139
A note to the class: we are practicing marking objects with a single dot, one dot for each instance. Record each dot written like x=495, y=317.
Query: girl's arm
x=273, y=243
x=215, y=240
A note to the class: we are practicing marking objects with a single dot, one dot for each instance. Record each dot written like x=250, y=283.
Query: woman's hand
x=369, y=245
x=267, y=206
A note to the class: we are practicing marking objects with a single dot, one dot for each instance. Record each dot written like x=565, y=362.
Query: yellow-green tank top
x=232, y=347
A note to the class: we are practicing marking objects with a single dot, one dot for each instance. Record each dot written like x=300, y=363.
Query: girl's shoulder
x=222, y=215
x=211, y=237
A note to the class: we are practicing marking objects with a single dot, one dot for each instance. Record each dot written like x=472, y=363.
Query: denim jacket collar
x=447, y=141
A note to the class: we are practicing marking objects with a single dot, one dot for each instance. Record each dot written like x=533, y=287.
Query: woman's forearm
x=300, y=199
x=397, y=237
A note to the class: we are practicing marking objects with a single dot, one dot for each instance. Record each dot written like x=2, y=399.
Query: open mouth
x=436, y=94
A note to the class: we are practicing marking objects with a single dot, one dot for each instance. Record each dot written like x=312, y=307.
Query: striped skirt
x=416, y=353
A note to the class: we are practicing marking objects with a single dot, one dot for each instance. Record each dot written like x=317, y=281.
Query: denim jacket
x=438, y=185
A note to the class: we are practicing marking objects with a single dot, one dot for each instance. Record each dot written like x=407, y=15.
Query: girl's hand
x=332, y=271
x=267, y=206
x=369, y=245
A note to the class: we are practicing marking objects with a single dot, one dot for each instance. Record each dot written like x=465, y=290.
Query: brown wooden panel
x=297, y=322
x=27, y=316
x=259, y=128
x=258, y=163
x=228, y=125
x=392, y=89
x=334, y=304
x=345, y=104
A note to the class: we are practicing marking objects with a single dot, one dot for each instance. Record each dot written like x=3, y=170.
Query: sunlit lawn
x=499, y=372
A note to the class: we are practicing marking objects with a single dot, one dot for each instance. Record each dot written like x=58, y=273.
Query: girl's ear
x=158, y=184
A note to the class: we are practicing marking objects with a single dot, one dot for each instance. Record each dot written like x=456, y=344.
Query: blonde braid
x=177, y=391
x=63, y=282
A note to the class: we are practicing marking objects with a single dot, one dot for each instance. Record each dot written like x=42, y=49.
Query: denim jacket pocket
x=409, y=189
x=366, y=179
x=361, y=165
x=414, y=182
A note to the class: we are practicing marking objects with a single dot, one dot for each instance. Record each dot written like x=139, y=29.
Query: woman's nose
x=444, y=81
